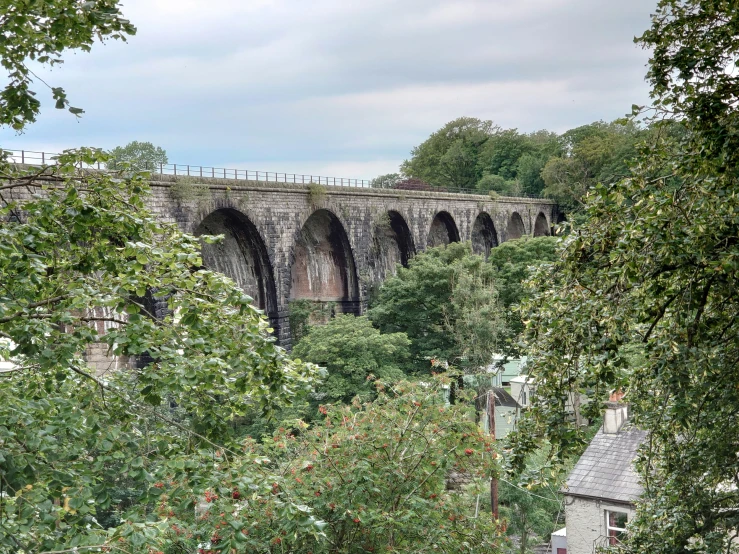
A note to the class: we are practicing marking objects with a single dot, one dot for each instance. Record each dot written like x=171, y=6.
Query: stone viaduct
x=331, y=244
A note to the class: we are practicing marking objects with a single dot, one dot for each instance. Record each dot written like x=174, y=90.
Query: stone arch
x=392, y=244
x=484, y=236
x=323, y=267
x=443, y=230
x=515, y=228
x=541, y=226
x=241, y=255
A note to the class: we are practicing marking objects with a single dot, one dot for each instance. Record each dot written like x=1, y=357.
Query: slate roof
x=502, y=398
x=605, y=469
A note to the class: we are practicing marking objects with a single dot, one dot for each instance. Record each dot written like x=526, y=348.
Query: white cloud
x=342, y=86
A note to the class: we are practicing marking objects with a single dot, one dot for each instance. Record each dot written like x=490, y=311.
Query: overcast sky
x=341, y=87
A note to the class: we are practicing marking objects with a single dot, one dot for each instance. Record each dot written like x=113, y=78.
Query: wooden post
x=493, y=480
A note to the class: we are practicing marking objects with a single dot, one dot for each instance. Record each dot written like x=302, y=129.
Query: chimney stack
x=616, y=413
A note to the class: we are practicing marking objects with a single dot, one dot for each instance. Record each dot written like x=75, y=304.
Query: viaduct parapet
x=332, y=244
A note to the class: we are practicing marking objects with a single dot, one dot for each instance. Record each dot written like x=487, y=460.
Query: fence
x=31, y=157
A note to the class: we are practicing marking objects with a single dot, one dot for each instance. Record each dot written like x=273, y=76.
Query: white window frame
x=609, y=527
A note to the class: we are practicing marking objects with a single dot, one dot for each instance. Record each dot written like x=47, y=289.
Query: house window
x=615, y=526
x=523, y=398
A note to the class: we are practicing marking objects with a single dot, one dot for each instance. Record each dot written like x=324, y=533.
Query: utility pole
x=494, y=479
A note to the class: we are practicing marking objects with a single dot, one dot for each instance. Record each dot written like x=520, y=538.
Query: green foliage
x=446, y=302
x=514, y=262
x=368, y=478
x=82, y=253
x=137, y=156
x=304, y=312
x=386, y=181
x=498, y=185
x=502, y=152
x=41, y=31
x=449, y=157
x=477, y=155
x=594, y=153
x=532, y=505
x=316, y=194
x=658, y=263
x=187, y=190
x=354, y=353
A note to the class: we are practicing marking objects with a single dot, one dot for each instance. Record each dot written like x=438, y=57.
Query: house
x=507, y=411
x=505, y=369
x=522, y=387
x=602, y=487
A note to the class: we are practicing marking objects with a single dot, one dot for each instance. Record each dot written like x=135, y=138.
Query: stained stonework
x=484, y=237
x=392, y=246
x=241, y=255
x=323, y=265
x=516, y=227
x=443, y=230
x=541, y=226
x=279, y=245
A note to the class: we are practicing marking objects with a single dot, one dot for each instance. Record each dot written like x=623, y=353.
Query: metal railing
x=31, y=157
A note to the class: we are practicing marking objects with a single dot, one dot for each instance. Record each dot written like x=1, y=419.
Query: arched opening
x=392, y=244
x=541, y=227
x=323, y=266
x=241, y=255
x=484, y=237
x=443, y=230
x=515, y=226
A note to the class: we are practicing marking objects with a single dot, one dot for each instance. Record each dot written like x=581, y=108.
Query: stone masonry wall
x=586, y=522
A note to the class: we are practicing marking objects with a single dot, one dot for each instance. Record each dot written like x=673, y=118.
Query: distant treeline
x=477, y=155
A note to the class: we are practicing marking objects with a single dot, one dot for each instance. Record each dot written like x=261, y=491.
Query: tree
x=596, y=153
x=498, y=184
x=137, y=156
x=82, y=261
x=355, y=354
x=446, y=302
x=386, y=181
x=514, y=262
x=501, y=153
x=40, y=31
x=373, y=478
x=530, y=507
x=449, y=157
x=656, y=263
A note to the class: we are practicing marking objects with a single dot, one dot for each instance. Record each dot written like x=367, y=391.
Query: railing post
x=175, y=170
x=23, y=156
x=43, y=158
x=188, y=170
x=201, y=171
x=161, y=168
